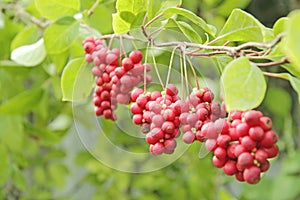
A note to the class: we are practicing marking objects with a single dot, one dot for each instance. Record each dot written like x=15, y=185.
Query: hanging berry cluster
x=242, y=142
x=114, y=82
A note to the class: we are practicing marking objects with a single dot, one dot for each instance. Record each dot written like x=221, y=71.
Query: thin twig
x=194, y=73
x=92, y=9
x=269, y=64
x=274, y=75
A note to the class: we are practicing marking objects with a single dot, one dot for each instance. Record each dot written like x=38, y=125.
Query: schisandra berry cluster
x=114, y=82
x=243, y=146
x=242, y=142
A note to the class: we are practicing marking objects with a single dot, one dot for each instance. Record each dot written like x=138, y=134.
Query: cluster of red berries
x=114, y=82
x=159, y=119
x=243, y=146
x=197, y=111
x=242, y=143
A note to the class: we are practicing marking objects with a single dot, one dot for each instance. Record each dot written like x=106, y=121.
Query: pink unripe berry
x=230, y=167
x=188, y=137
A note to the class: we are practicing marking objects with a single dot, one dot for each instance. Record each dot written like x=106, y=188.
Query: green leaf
x=29, y=55
x=28, y=35
x=127, y=16
x=243, y=84
x=157, y=6
x=133, y=6
x=54, y=9
x=279, y=25
x=169, y=12
x=77, y=80
x=292, y=48
x=22, y=103
x=187, y=30
x=119, y=25
x=241, y=26
x=227, y=6
x=4, y=165
x=12, y=132
x=60, y=35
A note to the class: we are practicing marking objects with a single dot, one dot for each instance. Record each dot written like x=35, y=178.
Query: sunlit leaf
x=29, y=55
x=169, y=12
x=293, y=40
x=54, y=9
x=243, y=84
x=60, y=35
x=77, y=80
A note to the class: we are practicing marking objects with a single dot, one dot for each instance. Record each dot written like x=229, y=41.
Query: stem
x=182, y=76
x=156, y=70
x=170, y=66
x=145, y=68
x=269, y=64
x=194, y=73
x=185, y=72
x=23, y=15
x=274, y=75
x=122, y=47
x=94, y=6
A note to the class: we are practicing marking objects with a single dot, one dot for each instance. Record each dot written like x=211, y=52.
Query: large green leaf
x=279, y=25
x=12, y=133
x=241, y=26
x=243, y=84
x=227, y=6
x=133, y=6
x=77, y=80
x=59, y=36
x=157, y=6
x=169, y=12
x=29, y=55
x=126, y=12
x=28, y=35
x=22, y=103
x=120, y=26
x=54, y=9
x=187, y=30
x=293, y=40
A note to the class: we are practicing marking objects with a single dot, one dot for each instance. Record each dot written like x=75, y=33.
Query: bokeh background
x=43, y=157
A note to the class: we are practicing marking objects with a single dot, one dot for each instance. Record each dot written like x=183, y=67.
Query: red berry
x=157, y=148
x=136, y=56
x=170, y=144
x=252, y=175
x=230, y=167
x=248, y=143
x=242, y=129
x=252, y=117
x=223, y=141
x=127, y=64
x=137, y=119
x=256, y=133
x=260, y=155
x=244, y=160
x=265, y=123
x=137, y=92
x=269, y=139
x=171, y=90
x=111, y=59
x=217, y=162
x=188, y=137
x=220, y=153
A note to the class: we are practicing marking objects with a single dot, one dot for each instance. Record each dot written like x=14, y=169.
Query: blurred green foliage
x=41, y=155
